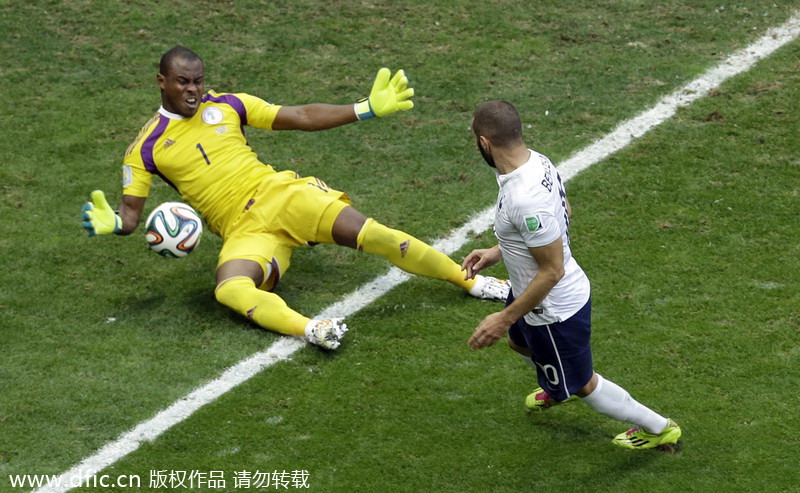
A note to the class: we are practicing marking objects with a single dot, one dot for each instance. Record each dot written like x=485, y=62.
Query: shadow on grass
x=587, y=458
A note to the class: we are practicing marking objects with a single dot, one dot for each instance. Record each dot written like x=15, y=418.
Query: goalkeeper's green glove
x=387, y=95
x=98, y=217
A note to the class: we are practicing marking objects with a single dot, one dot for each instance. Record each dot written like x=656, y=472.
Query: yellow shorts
x=283, y=214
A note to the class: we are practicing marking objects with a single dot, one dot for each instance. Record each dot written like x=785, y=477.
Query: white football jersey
x=531, y=211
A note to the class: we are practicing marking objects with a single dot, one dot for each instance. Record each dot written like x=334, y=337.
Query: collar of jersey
x=501, y=179
x=170, y=115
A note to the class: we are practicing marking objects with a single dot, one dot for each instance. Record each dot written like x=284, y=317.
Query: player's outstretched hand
x=480, y=259
x=388, y=95
x=98, y=217
x=490, y=330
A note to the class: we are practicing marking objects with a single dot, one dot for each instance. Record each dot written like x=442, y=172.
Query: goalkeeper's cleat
x=326, y=333
x=490, y=288
x=637, y=438
x=539, y=400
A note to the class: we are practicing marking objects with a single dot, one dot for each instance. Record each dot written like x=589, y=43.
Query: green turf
x=689, y=236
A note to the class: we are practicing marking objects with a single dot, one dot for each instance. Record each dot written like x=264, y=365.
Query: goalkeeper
x=196, y=144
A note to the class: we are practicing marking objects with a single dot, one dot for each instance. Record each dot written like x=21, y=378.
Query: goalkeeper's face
x=182, y=86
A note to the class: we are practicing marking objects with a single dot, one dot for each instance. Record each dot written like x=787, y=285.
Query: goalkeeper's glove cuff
x=363, y=109
x=117, y=223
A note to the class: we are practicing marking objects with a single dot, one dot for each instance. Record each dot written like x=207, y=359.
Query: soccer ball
x=173, y=229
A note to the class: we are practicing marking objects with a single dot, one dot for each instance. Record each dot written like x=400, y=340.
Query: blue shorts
x=561, y=351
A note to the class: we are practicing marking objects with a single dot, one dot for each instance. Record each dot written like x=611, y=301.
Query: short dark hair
x=499, y=122
x=172, y=54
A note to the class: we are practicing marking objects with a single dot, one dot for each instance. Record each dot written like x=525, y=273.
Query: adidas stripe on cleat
x=638, y=439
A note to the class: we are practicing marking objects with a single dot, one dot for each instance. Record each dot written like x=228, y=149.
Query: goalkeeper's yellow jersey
x=206, y=158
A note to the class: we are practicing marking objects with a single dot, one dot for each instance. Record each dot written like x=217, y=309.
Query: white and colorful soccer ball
x=173, y=229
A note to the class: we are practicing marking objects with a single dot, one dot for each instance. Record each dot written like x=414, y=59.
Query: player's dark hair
x=172, y=54
x=499, y=122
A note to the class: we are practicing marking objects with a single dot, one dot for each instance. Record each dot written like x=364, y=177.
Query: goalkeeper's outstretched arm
x=389, y=94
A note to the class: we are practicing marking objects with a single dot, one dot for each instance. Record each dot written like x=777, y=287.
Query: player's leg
x=519, y=341
x=237, y=288
x=353, y=229
x=615, y=402
x=243, y=281
x=344, y=225
x=564, y=357
x=539, y=399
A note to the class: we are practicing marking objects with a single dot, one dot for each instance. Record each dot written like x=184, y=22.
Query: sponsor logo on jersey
x=168, y=143
x=533, y=223
x=212, y=115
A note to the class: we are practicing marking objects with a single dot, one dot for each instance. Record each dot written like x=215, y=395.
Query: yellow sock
x=264, y=308
x=410, y=254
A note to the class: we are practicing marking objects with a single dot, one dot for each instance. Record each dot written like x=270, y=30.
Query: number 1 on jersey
x=203, y=152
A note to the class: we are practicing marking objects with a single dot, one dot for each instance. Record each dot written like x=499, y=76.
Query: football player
x=196, y=143
x=548, y=313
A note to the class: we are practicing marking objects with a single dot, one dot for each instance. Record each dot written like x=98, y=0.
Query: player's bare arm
x=551, y=269
x=130, y=211
x=313, y=117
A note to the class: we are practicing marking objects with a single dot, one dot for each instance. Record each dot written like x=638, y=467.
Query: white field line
x=619, y=138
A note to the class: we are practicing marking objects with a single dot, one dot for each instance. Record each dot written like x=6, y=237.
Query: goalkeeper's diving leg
x=268, y=309
x=349, y=227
